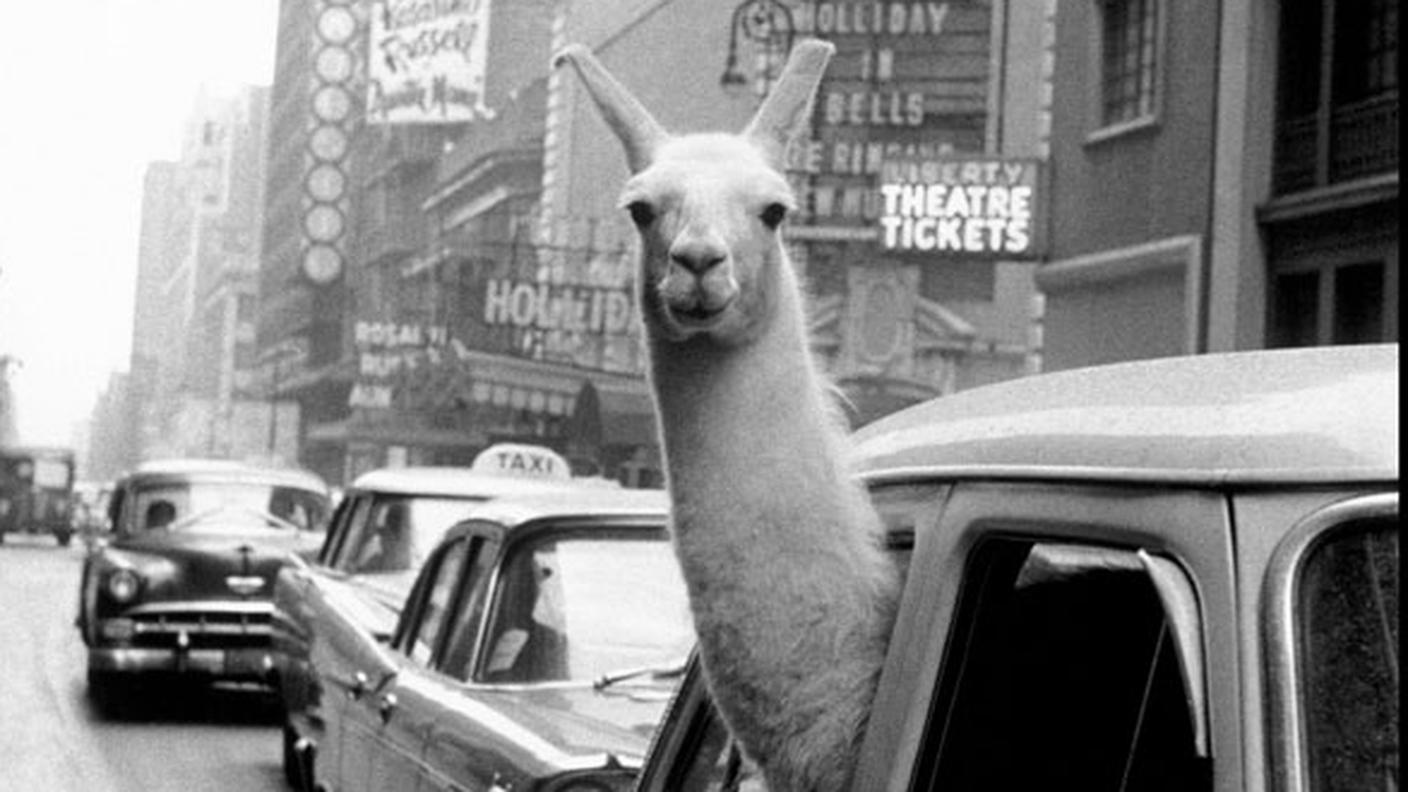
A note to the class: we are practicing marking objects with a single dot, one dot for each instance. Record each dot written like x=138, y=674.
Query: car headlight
x=123, y=585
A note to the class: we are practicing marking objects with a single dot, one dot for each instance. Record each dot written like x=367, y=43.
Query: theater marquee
x=963, y=207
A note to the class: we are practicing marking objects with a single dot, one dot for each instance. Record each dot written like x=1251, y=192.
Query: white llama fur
x=792, y=596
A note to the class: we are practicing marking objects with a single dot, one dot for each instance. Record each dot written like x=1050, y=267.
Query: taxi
x=1175, y=574
x=385, y=526
x=537, y=650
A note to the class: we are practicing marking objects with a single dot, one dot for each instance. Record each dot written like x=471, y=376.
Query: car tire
x=64, y=538
x=293, y=767
x=106, y=690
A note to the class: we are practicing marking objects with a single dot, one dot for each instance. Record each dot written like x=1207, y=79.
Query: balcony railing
x=1364, y=138
x=1363, y=141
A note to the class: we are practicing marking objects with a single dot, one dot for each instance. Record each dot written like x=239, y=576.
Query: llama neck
x=791, y=595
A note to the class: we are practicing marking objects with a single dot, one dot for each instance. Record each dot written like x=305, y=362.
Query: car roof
x=461, y=482
x=224, y=470
x=587, y=502
x=1318, y=415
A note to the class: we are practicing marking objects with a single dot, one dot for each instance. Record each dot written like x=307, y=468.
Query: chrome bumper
x=246, y=664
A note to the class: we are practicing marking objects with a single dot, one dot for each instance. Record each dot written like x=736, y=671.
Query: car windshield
x=558, y=615
x=228, y=520
x=160, y=506
x=400, y=531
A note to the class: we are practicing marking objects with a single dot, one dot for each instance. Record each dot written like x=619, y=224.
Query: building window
x=1330, y=304
x=1129, y=60
x=1337, y=111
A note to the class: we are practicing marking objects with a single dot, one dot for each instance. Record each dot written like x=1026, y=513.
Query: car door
x=458, y=746
x=388, y=726
x=1058, y=635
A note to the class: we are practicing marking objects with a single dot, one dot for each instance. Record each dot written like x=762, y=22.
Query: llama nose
x=698, y=257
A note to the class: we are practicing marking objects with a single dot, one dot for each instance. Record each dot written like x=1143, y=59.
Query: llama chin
x=792, y=596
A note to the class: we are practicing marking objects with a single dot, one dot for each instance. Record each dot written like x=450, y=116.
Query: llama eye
x=773, y=214
x=641, y=213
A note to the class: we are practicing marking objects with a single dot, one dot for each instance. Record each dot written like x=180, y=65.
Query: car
x=182, y=587
x=36, y=491
x=361, y=576
x=537, y=650
x=1174, y=574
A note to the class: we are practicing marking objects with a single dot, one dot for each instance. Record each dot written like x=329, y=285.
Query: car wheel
x=105, y=690
x=293, y=766
x=64, y=538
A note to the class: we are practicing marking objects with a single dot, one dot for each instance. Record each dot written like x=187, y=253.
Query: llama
x=792, y=597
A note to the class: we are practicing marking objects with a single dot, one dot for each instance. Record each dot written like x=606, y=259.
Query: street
x=53, y=738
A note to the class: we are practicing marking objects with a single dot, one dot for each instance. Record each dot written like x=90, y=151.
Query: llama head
x=708, y=206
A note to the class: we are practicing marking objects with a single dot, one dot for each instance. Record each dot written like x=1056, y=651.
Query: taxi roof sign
x=521, y=459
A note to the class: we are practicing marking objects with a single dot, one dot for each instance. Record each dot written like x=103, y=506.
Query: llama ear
x=784, y=112
x=638, y=130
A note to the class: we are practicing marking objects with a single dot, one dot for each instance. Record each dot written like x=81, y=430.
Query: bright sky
x=93, y=90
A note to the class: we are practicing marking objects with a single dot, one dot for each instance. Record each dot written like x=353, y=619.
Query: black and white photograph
x=671, y=396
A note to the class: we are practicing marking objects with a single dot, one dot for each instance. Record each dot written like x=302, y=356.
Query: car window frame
x=476, y=539
x=1189, y=526
x=487, y=540
x=357, y=516
x=335, y=530
x=403, y=638
x=1286, y=736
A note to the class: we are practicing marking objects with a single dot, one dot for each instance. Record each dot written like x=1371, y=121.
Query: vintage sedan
x=536, y=651
x=386, y=524
x=1178, y=574
x=183, y=586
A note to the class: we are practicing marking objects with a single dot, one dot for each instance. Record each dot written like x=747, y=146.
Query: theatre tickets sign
x=963, y=207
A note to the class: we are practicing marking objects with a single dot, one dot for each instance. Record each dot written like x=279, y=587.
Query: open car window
x=1065, y=673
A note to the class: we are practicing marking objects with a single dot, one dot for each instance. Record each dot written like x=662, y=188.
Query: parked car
x=183, y=585
x=386, y=524
x=537, y=650
x=1176, y=574
x=36, y=491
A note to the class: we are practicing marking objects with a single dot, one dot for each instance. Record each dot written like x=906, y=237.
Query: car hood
x=569, y=726
x=200, y=566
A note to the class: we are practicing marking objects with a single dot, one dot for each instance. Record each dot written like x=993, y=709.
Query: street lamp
x=766, y=25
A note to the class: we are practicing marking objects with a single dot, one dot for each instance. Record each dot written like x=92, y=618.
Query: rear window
x=399, y=532
x=1347, y=620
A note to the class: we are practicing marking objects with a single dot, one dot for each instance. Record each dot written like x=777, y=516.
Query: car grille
x=203, y=630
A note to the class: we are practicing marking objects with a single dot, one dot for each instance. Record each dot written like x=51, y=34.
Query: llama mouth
x=696, y=315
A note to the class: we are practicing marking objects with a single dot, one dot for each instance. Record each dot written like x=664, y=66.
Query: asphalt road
x=53, y=738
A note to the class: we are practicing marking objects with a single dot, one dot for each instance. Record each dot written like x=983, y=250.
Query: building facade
x=923, y=83
x=193, y=334
x=485, y=292
x=1221, y=181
